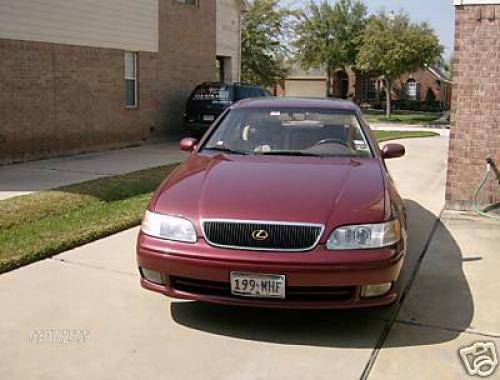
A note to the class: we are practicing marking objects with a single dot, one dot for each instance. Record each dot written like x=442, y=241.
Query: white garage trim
x=475, y=2
x=306, y=77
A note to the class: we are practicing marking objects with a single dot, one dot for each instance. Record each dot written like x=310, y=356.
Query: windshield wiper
x=225, y=149
x=289, y=153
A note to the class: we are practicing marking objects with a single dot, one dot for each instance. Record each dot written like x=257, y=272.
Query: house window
x=130, y=79
x=411, y=89
x=188, y=2
x=371, y=89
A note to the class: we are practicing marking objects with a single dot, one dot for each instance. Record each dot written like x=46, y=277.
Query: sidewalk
x=25, y=178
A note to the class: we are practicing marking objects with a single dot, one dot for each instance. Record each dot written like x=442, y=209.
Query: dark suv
x=208, y=100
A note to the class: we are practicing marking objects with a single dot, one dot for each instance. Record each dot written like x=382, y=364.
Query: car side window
x=248, y=92
x=240, y=93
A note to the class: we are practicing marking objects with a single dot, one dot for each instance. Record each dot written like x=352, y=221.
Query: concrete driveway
x=134, y=334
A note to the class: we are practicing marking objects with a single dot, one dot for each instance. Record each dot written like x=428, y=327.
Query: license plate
x=258, y=285
x=208, y=117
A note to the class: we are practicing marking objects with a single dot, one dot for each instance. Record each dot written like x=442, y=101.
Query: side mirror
x=393, y=151
x=188, y=144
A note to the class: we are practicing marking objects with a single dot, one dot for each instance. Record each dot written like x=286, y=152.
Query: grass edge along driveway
x=405, y=117
x=40, y=225
x=384, y=135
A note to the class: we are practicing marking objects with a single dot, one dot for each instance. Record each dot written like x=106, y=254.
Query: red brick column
x=475, y=111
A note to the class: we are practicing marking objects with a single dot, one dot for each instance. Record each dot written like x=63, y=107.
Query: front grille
x=280, y=236
x=293, y=293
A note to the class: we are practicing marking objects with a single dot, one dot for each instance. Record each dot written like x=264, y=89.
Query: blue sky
x=439, y=13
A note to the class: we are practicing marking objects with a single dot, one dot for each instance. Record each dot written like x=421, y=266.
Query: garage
x=305, y=86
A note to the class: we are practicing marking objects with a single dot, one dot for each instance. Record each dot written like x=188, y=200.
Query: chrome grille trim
x=260, y=222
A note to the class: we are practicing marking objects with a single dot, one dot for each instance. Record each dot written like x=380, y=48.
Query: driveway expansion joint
x=400, y=302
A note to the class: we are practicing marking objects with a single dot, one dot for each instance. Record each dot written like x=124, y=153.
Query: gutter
x=439, y=76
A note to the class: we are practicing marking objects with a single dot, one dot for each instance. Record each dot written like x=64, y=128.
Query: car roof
x=222, y=84
x=296, y=102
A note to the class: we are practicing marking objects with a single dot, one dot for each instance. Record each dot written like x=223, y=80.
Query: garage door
x=305, y=88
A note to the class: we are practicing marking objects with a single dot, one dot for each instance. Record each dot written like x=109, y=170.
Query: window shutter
x=418, y=92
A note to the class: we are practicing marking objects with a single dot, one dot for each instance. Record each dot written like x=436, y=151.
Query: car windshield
x=293, y=132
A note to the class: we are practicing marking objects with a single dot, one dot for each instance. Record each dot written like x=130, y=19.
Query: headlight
x=168, y=227
x=365, y=236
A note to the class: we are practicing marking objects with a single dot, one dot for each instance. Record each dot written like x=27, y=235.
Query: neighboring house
x=426, y=86
x=475, y=111
x=78, y=75
x=228, y=62
x=429, y=86
x=303, y=83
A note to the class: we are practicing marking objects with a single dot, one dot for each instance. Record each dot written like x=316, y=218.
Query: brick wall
x=187, y=57
x=475, y=113
x=61, y=98
x=57, y=99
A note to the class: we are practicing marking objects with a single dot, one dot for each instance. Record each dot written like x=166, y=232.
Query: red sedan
x=285, y=202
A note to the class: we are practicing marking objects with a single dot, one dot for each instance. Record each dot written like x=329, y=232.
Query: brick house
x=475, y=111
x=81, y=76
x=430, y=86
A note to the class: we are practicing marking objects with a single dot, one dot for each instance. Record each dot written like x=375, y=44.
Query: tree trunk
x=388, y=100
x=328, y=81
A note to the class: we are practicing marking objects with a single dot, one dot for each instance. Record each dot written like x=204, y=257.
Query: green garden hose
x=484, y=212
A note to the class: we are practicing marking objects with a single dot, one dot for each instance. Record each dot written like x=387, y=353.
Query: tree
x=393, y=46
x=265, y=27
x=328, y=35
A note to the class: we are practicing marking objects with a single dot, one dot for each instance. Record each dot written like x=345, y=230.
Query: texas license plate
x=258, y=285
x=208, y=117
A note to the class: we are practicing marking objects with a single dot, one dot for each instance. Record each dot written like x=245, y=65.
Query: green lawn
x=406, y=117
x=39, y=225
x=36, y=226
x=394, y=135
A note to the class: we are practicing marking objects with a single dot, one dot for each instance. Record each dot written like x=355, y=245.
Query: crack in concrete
x=451, y=329
x=93, y=266
x=74, y=171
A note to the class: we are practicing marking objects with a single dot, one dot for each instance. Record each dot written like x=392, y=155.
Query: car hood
x=330, y=191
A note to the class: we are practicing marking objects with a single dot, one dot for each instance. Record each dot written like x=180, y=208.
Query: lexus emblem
x=260, y=235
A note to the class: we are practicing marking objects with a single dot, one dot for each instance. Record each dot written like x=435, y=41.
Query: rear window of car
x=212, y=93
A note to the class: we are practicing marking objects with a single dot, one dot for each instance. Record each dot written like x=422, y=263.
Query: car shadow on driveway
x=439, y=293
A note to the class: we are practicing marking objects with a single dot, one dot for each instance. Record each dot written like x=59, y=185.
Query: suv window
x=262, y=92
x=243, y=92
x=214, y=93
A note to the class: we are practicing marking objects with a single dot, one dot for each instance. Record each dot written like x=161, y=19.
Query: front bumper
x=314, y=279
